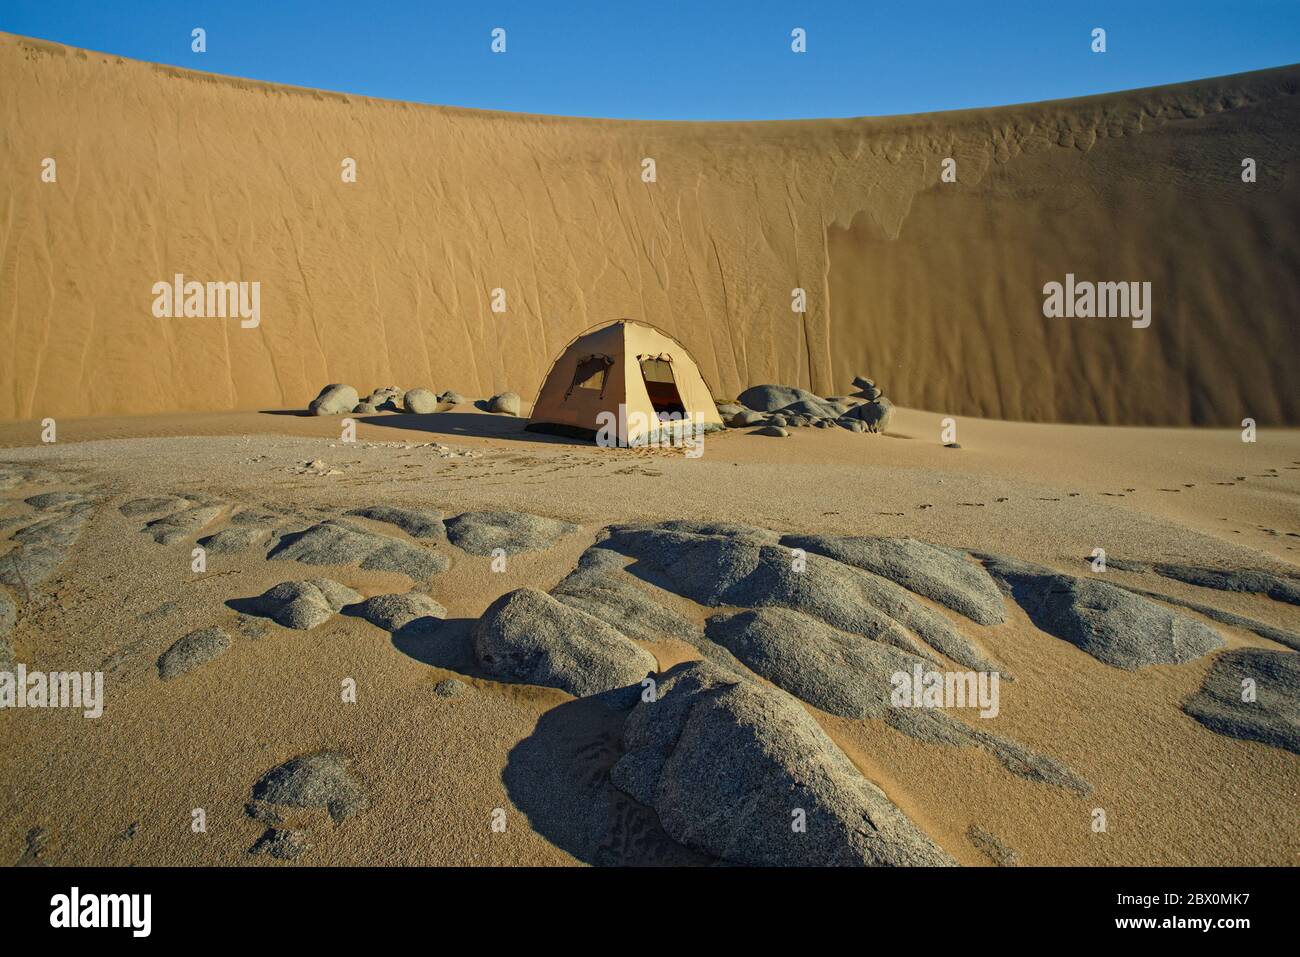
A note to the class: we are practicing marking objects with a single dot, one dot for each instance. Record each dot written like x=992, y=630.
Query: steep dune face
x=934, y=288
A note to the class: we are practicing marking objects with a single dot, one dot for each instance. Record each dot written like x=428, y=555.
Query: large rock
x=740, y=571
x=394, y=612
x=815, y=408
x=338, y=543
x=1272, y=718
x=838, y=672
x=528, y=636
x=506, y=403
x=416, y=522
x=480, y=533
x=196, y=648
x=851, y=676
x=730, y=765
x=771, y=398
x=334, y=399
x=1113, y=625
x=877, y=415
x=940, y=574
x=321, y=780
x=420, y=401
x=304, y=604
x=600, y=587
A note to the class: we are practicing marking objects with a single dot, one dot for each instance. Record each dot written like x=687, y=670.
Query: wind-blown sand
x=933, y=288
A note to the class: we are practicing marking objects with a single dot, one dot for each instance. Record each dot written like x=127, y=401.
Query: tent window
x=661, y=386
x=592, y=374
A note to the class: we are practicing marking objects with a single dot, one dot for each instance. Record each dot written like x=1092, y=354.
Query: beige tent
x=626, y=379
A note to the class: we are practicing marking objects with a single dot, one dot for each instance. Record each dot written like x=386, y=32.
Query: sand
x=934, y=288
x=435, y=769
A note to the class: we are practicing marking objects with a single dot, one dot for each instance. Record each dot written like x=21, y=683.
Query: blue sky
x=695, y=59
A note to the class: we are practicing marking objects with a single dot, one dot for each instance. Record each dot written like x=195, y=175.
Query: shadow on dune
x=559, y=777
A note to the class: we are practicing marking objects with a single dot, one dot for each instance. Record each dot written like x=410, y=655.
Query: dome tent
x=624, y=378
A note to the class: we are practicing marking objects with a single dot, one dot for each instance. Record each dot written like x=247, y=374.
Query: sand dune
x=933, y=288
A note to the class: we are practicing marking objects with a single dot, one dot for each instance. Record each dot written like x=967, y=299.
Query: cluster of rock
x=775, y=409
x=831, y=634
x=340, y=399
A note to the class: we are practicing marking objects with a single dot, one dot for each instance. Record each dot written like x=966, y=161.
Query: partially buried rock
x=773, y=430
x=451, y=688
x=506, y=403
x=338, y=543
x=420, y=401
x=196, y=648
x=320, y=780
x=938, y=573
x=452, y=398
x=729, y=764
x=236, y=538
x=729, y=569
x=394, y=612
x=282, y=843
x=180, y=525
x=480, y=533
x=528, y=636
x=152, y=505
x=304, y=604
x=48, y=500
x=1270, y=679
x=364, y=408
x=334, y=399
x=30, y=565
x=746, y=418
x=416, y=522
x=1115, y=626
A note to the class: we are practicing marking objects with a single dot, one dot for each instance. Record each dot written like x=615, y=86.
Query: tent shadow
x=468, y=424
x=559, y=777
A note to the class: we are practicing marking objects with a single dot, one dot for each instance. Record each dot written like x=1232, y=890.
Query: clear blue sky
x=690, y=59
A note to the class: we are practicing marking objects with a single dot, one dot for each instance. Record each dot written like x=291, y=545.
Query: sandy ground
x=435, y=769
